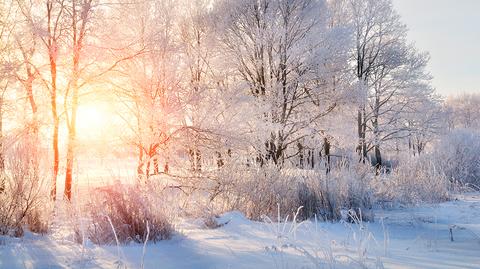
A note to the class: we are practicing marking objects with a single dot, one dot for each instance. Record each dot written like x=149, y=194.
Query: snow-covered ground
x=401, y=238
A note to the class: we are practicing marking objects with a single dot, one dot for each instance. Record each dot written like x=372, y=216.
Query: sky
x=450, y=31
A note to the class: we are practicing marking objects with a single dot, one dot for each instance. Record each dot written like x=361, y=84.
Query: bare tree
x=26, y=40
x=151, y=80
x=425, y=120
x=80, y=13
x=55, y=11
x=197, y=50
x=377, y=30
x=387, y=68
x=6, y=67
x=277, y=49
x=50, y=32
x=465, y=112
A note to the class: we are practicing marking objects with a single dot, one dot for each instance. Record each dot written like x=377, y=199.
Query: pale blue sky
x=450, y=31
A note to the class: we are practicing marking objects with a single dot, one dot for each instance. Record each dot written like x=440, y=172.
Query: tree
x=7, y=67
x=52, y=40
x=26, y=40
x=397, y=88
x=91, y=60
x=199, y=85
x=51, y=32
x=280, y=51
x=425, y=121
x=387, y=67
x=377, y=30
x=150, y=91
x=465, y=112
x=80, y=16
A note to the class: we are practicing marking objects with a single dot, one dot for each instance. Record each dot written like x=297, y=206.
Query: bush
x=24, y=198
x=457, y=155
x=258, y=191
x=452, y=165
x=128, y=208
x=413, y=182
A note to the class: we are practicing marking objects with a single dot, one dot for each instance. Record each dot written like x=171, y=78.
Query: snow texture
x=402, y=238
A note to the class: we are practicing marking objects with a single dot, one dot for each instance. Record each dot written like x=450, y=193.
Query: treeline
x=282, y=82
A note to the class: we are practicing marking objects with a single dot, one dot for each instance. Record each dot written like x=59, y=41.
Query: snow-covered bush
x=345, y=187
x=414, y=181
x=457, y=154
x=258, y=191
x=357, y=181
x=24, y=198
x=453, y=163
x=121, y=212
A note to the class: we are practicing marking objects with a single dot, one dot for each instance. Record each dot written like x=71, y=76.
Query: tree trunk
x=2, y=158
x=191, y=154
x=376, y=137
x=420, y=147
x=56, y=123
x=275, y=149
x=378, y=158
x=33, y=104
x=364, y=136
x=78, y=35
x=72, y=121
x=166, y=168
x=311, y=158
x=300, y=155
x=326, y=147
x=156, y=168
x=195, y=159
x=361, y=136
x=140, y=161
x=72, y=133
x=198, y=160
x=220, y=161
x=147, y=172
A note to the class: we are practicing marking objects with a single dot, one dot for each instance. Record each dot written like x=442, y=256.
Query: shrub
x=24, y=196
x=258, y=191
x=24, y=199
x=413, y=182
x=127, y=208
x=457, y=155
x=357, y=180
x=453, y=162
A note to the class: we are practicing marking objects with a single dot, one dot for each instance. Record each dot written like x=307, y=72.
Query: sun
x=92, y=121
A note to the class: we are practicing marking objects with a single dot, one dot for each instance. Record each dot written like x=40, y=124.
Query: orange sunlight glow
x=93, y=121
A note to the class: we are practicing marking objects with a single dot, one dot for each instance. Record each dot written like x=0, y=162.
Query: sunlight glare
x=92, y=121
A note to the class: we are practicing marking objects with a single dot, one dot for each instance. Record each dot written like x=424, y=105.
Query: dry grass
x=24, y=200
x=128, y=208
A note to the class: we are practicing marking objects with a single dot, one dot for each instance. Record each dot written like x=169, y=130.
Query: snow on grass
x=401, y=238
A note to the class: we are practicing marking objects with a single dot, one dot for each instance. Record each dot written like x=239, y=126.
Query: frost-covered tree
x=197, y=49
x=425, y=121
x=8, y=66
x=42, y=33
x=26, y=41
x=151, y=87
x=387, y=68
x=465, y=112
x=80, y=13
x=282, y=52
x=377, y=29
